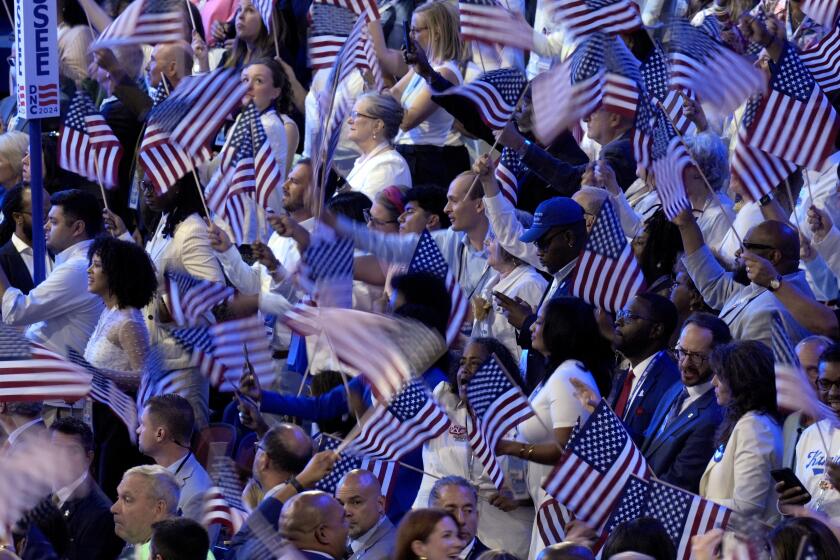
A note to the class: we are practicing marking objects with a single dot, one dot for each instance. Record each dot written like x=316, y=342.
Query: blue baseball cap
x=554, y=212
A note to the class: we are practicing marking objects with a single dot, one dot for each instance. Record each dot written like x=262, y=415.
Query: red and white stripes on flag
x=164, y=162
x=487, y=21
x=366, y=59
x=494, y=94
x=145, y=22
x=88, y=146
x=509, y=172
x=368, y=8
x=607, y=274
x=30, y=372
x=552, y=519
x=190, y=298
x=823, y=60
x=386, y=350
x=583, y=17
x=670, y=160
x=218, y=510
x=266, y=9
x=824, y=12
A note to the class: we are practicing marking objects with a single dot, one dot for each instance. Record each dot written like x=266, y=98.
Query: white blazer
x=740, y=479
x=380, y=169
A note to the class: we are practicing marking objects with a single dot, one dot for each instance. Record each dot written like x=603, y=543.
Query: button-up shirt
x=26, y=254
x=63, y=494
x=694, y=393
x=359, y=544
x=60, y=311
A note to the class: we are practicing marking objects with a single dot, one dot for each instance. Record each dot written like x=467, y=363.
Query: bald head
x=173, y=60
x=361, y=495
x=314, y=521
x=783, y=240
x=283, y=452
x=566, y=551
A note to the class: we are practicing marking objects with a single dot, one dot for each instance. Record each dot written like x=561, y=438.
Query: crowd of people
x=688, y=364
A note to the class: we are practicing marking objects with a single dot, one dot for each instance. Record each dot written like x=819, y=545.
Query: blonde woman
x=434, y=151
x=13, y=147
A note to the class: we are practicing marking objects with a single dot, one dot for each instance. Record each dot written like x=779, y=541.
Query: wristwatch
x=765, y=200
x=775, y=283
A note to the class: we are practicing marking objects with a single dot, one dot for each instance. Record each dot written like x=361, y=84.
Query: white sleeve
x=246, y=279
x=507, y=229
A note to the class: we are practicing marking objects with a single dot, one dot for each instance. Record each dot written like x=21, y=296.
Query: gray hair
x=387, y=109
x=434, y=495
x=161, y=484
x=13, y=146
x=710, y=153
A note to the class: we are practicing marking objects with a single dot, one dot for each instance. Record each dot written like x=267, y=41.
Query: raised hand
x=760, y=271
x=113, y=223
x=219, y=240
x=516, y=310
x=820, y=223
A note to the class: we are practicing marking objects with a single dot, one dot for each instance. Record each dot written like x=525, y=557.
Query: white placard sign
x=36, y=49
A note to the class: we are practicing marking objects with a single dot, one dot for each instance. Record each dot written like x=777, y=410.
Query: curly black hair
x=129, y=270
x=185, y=201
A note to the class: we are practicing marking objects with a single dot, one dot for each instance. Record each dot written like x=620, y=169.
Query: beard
x=740, y=274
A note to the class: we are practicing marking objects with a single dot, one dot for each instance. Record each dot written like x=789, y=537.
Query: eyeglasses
x=376, y=222
x=545, y=241
x=356, y=114
x=626, y=315
x=147, y=186
x=696, y=357
x=758, y=247
x=826, y=385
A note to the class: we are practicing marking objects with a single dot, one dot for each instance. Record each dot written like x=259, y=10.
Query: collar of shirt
x=63, y=494
x=363, y=159
x=318, y=552
x=78, y=249
x=697, y=391
x=182, y=460
x=362, y=542
x=465, y=241
x=19, y=430
x=21, y=245
x=640, y=371
x=561, y=274
x=467, y=549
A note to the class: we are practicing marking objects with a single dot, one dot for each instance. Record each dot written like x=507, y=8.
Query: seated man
x=179, y=539
x=372, y=535
x=459, y=497
x=314, y=522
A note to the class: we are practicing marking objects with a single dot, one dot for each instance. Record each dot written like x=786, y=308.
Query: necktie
x=624, y=395
x=676, y=408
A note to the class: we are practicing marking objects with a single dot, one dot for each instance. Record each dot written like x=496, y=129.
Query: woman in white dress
x=566, y=333
x=750, y=438
x=504, y=521
x=122, y=274
x=372, y=125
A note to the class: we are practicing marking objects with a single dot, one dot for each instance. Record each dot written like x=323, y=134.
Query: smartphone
x=409, y=46
x=788, y=478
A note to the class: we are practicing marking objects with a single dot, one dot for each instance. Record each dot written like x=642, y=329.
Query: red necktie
x=624, y=395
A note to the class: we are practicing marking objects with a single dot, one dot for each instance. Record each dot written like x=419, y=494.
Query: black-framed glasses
x=758, y=247
x=826, y=385
x=356, y=114
x=627, y=315
x=147, y=186
x=545, y=241
x=375, y=221
x=695, y=357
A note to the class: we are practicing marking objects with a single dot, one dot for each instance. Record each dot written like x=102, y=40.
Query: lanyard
x=462, y=265
x=183, y=462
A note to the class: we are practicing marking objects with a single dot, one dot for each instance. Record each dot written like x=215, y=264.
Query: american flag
x=330, y=26
x=388, y=351
x=643, y=124
x=607, y=273
x=796, y=121
x=368, y=8
x=88, y=146
x=157, y=379
x=487, y=21
x=758, y=171
x=670, y=159
x=622, y=80
x=584, y=17
x=630, y=503
x=163, y=161
x=494, y=94
x=710, y=69
x=145, y=22
x=683, y=514
x=366, y=59
x=30, y=372
x=508, y=173
x=552, y=519
x=823, y=60
x=326, y=269
x=497, y=405
x=218, y=351
x=427, y=258
x=104, y=390
x=265, y=8
x=190, y=298
x=267, y=173
x=223, y=501
x=196, y=109
x=385, y=471
x=783, y=351
x=654, y=75
x=411, y=418
x=596, y=465
x=824, y=12
x=578, y=81
x=229, y=190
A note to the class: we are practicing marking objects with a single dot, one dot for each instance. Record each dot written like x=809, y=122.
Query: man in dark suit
x=16, y=256
x=314, y=523
x=680, y=439
x=179, y=539
x=77, y=519
x=459, y=497
x=642, y=331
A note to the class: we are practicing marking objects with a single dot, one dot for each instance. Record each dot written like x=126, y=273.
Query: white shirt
x=379, y=169
x=467, y=549
x=639, y=373
x=436, y=129
x=358, y=544
x=810, y=467
x=60, y=311
x=748, y=216
x=713, y=220
x=26, y=253
x=694, y=393
x=63, y=494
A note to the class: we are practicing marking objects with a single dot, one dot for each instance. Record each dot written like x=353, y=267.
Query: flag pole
x=190, y=14
x=274, y=32
x=101, y=186
x=9, y=14
x=702, y=175
x=195, y=175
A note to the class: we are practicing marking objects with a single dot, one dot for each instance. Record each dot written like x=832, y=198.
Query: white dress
x=555, y=406
x=377, y=170
x=105, y=351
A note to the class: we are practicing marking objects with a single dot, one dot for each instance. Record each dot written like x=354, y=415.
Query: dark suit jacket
x=245, y=544
x=662, y=374
x=679, y=454
x=15, y=269
x=478, y=548
x=83, y=528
